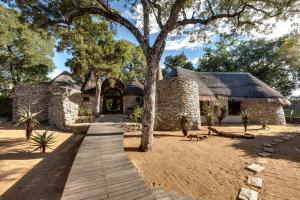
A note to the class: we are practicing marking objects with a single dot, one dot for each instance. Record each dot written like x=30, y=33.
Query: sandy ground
x=215, y=168
x=22, y=170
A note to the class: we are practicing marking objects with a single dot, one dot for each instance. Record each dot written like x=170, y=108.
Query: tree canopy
x=179, y=60
x=276, y=61
x=92, y=45
x=25, y=54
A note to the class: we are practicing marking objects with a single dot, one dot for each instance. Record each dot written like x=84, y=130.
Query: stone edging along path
x=102, y=170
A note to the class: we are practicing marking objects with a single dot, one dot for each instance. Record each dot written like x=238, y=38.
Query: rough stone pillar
x=177, y=96
x=271, y=112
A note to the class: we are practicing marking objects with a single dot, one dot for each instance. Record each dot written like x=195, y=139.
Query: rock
x=255, y=181
x=248, y=194
x=267, y=145
x=255, y=168
x=290, y=136
x=268, y=149
x=264, y=154
x=278, y=140
x=286, y=138
x=262, y=161
x=274, y=143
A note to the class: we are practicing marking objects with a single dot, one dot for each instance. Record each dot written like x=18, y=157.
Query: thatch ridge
x=66, y=79
x=238, y=86
x=135, y=88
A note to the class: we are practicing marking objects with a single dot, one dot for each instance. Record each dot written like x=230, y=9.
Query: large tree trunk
x=98, y=98
x=149, y=102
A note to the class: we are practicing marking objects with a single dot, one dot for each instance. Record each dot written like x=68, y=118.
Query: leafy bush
x=137, y=114
x=43, y=141
x=84, y=111
x=209, y=112
x=28, y=118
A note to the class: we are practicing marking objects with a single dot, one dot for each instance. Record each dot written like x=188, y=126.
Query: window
x=86, y=99
x=234, y=107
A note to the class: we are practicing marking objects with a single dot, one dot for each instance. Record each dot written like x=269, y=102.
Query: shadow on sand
x=47, y=179
x=287, y=150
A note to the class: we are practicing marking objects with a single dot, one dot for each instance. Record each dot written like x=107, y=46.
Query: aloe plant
x=209, y=112
x=28, y=118
x=245, y=118
x=43, y=141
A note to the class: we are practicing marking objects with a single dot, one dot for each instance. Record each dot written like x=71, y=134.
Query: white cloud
x=182, y=44
x=55, y=73
x=194, y=60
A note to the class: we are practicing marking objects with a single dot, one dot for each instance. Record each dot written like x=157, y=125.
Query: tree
x=179, y=60
x=170, y=15
x=25, y=54
x=276, y=62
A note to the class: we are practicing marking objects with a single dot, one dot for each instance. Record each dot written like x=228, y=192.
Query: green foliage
x=42, y=141
x=179, y=60
x=276, y=62
x=85, y=111
x=25, y=54
x=220, y=109
x=137, y=114
x=92, y=46
x=28, y=118
x=209, y=112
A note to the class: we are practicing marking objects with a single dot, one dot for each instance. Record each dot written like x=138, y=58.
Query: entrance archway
x=112, y=101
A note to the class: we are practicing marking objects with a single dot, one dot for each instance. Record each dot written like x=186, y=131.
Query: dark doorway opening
x=112, y=101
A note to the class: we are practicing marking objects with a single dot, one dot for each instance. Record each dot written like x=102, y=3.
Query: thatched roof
x=230, y=85
x=90, y=82
x=66, y=79
x=135, y=88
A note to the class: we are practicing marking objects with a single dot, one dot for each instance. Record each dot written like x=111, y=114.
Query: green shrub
x=84, y=111
x=137, y=114
x=42, y=141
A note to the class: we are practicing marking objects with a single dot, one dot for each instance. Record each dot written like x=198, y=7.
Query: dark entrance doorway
x=112, y=101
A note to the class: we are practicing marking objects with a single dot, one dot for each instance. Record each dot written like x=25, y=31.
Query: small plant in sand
x=245, y=118
x=209, y=112
x=185, y=123
x=137, y=114
x=264, y=124
x=28, y=118
x=220, y=109
x=43, y=141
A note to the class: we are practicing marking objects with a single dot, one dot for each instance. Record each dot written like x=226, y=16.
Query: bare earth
x=215, y=168
x=32, y=175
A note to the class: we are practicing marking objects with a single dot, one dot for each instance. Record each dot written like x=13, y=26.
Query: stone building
x=61, y=101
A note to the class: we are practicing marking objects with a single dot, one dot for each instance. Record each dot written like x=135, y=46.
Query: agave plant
x=245, y=118
x=28, y=118
x=220, y=109
x=209, y=112
x=43, y=141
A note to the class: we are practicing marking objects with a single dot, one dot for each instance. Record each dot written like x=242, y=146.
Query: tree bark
x=149, y=101
x=98, y=98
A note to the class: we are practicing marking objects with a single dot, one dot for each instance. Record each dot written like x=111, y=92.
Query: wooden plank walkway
x=102, y=170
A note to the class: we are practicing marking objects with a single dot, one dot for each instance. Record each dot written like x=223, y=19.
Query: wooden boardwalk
x=102, y=170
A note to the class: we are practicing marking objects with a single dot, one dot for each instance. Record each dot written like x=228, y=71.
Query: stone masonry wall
x=176, y=96
x=271, y=112
x=130, y=101
x=34, y=95
x=63, y=106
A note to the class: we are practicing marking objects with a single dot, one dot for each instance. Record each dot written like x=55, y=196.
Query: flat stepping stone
x=267, y=145
x=290, y=136
x=286, y=138
x=255, y=181
x=268, y=149
x=274, y=143
x=265, y=154
x=278, y=140
x=262, y=161
x=255, y=168
x=248, y=194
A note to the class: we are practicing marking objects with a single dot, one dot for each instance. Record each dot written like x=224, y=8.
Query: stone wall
x=34, y=95
x=177, y=96
x=272, y=112
x=63, y=106
x=130, y=101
